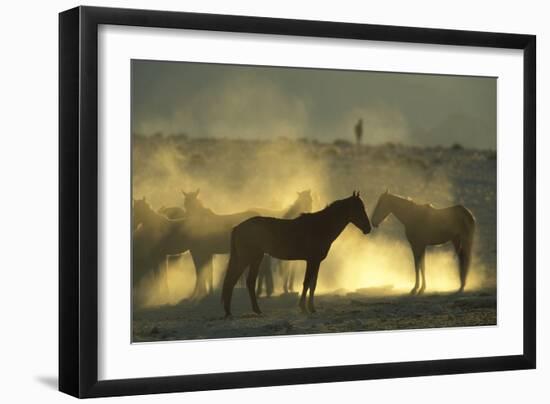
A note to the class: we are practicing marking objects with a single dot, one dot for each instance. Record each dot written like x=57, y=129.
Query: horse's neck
x=403, y=209
x=152, y=219
x=336, y=222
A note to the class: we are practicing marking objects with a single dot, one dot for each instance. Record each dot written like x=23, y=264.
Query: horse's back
x=465, y=213
x=255, y=222
x=274, y=236
x=452, y=211
x=458, y=217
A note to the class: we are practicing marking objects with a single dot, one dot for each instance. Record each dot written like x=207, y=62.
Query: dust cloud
x=236, y=175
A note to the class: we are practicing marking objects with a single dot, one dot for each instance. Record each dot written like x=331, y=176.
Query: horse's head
x=304, y=202
x=382, y=209
x=141, y=210
x=191, y=201
x=358, y=214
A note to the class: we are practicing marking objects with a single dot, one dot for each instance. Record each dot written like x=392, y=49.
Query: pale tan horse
x=426, y=225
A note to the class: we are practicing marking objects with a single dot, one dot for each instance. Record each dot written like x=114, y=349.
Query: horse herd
x=290, y=234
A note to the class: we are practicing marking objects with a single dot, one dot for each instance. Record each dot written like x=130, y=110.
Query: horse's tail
x=231, y=275
x=466, y=246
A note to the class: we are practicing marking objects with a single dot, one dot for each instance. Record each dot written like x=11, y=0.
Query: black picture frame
x=78, y=200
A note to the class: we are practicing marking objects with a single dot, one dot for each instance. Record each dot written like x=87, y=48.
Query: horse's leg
x=290, y=277
x=307, y=276
x=199, y=260
x=210, y=274
x=283, y=266
x=458, y=250
x=207, y=274
x=235, y=269
x=251, y=282
x=461, y=261
x=260, y=281
x=463, y=249
x=166, y=268
x=423, y=272
x=197, y=272
x=312, y=286
x=417, y=254
x=267, y=264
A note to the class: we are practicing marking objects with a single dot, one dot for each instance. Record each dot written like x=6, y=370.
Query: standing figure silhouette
x=359, y=131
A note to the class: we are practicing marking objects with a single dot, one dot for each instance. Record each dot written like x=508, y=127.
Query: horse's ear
x=183, y=192
x=387, y=191
x=197, y=192
x=144, y=199
x=358, y=192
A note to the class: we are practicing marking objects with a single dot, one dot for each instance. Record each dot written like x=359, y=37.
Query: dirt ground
x=363, y=310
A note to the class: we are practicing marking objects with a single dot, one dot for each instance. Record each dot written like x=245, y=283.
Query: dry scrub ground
x=344, y=312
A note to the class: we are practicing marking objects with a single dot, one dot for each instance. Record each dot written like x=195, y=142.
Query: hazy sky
x=265, y=102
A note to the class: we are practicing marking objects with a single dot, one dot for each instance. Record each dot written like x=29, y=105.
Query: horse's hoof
x=421, y=292
x=228, y=316
x=413, y=292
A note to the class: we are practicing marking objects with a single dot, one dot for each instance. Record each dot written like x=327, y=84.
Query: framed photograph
x=251, y=201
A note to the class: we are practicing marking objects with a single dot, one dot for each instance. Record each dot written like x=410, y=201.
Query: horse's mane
x=412, y=201
x=407, y=198
x=326, y=209
x=403, y=198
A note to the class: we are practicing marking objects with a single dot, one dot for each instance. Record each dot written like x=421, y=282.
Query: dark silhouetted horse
x=303, y=204
x=154, y=238
x=308, y=237
x=426, y=225
x=210, y=234
x=174, y=212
